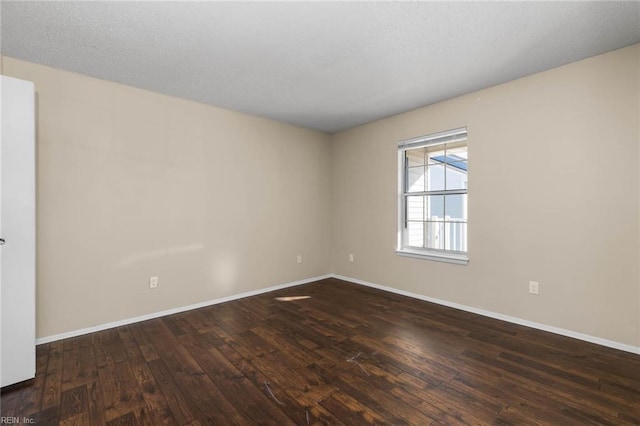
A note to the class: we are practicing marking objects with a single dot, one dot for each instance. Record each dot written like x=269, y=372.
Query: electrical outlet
x=299, y=259
x=153, y=282
x=351, y=257
x=533, y=287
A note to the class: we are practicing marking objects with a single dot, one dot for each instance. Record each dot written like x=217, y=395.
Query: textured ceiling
x=321, y=65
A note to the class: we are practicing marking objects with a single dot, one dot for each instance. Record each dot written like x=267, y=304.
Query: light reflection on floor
x=291, y=298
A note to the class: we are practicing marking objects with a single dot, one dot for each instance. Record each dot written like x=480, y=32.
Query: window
x=433, y=196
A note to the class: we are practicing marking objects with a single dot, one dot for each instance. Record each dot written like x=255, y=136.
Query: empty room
x=320, y=213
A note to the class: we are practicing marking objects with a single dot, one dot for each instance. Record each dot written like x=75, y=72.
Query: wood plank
x=96, y=404
x=81, y=419
x=202, y=396
x=350, y=411
x=236, y=388
x=157, y=410
x=48, y=416
x=148, y=351
x=183, y=411
x=128, y=419
x=120, y=391
x=53, y=379
x=74, y=401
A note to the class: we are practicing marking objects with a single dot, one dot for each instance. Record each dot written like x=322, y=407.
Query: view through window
x=434, y=194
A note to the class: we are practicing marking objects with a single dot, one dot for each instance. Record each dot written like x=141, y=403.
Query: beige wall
x=133, y=184
x=553, y=197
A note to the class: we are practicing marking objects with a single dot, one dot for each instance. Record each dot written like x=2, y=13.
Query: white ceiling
x=322, y=65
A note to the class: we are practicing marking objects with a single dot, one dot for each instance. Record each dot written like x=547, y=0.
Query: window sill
x=458, y=259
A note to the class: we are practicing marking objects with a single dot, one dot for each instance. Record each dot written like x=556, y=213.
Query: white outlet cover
x=534, y=287
x=299, y=259
x=153, y=282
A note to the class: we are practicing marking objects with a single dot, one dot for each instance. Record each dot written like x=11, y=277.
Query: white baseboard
x=127, y=321
x=507, y=318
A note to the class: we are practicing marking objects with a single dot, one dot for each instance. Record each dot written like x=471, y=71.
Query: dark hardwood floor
x=347, y=355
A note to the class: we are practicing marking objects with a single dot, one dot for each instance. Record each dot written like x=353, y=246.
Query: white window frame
x=450, y=136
